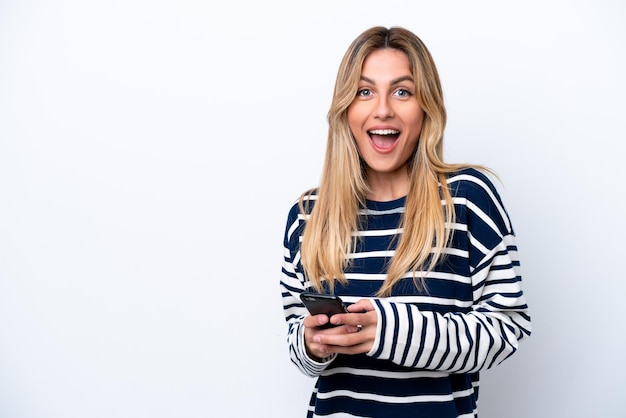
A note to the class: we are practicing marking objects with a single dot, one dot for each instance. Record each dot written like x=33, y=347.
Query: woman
x=421, y=251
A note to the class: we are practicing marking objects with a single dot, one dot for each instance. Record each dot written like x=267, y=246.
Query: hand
x=354, y=334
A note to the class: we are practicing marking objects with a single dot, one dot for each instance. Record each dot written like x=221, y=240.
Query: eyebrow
x=393, y=82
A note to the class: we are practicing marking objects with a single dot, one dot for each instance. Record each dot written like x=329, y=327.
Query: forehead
x=386, y=61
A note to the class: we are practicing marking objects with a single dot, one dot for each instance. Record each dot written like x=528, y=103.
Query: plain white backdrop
x=149, y=152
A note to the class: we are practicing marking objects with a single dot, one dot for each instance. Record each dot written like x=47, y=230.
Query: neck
x=384, y=187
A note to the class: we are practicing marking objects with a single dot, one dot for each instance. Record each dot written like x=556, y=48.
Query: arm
x=292, y=283
x=456, y=342
x=488, y=331
x=463, y=334
x=453, y=342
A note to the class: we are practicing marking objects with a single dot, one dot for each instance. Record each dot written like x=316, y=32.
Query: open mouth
x=384, y=138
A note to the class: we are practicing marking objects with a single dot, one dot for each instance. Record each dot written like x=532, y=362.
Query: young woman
x=421, y=251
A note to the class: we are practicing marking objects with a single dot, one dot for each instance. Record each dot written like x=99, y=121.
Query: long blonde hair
x=328, y=236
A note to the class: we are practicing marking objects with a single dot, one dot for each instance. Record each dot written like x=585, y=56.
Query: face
x=385, y=117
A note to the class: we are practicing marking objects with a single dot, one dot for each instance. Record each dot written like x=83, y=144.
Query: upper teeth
x=384, y=132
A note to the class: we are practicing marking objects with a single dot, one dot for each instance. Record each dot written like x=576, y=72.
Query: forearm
x=298, y=354
x=451, y=342
x=295, y=313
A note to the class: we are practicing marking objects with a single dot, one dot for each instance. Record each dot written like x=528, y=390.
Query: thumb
x=363, y=305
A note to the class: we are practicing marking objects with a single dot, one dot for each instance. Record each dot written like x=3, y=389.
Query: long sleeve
x=431, y=343
x=478, y=333
x=292, y=284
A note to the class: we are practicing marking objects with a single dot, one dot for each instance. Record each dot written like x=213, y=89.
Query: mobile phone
x=319, y=303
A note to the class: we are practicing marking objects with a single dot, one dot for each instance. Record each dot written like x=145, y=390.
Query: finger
x=315, y=321
x=363, y=305
x=351, y=349
x=355, y=319
x=351, y=335
x=354, y=343
x=315, y=349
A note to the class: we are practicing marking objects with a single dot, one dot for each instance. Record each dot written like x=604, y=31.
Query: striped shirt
x=430, y=345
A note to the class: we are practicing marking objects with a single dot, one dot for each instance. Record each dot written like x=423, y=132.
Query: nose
x=383, y=108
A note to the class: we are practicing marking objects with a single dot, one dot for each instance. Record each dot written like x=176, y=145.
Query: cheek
x=356, y=115
x=419, y=120
x=351, y=119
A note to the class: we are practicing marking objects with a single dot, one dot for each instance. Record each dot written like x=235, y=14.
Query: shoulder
x=471, y=181
x=475, y=191
x=303, y=204
x=297, y=216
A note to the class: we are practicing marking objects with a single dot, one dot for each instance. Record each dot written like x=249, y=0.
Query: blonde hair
x=328, y=235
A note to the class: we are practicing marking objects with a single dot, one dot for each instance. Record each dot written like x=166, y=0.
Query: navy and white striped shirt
x=430, y=345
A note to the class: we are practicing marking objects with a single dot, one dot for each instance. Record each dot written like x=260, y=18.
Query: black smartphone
x=318, y=303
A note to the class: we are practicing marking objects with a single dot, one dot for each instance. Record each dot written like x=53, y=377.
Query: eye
x=365, y=92
x=402, y=92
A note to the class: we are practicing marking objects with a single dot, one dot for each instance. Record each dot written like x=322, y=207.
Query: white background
x=150, y=150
